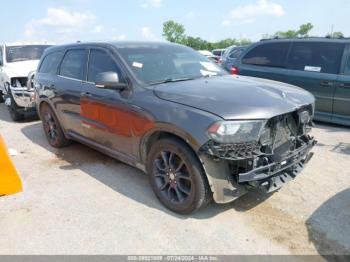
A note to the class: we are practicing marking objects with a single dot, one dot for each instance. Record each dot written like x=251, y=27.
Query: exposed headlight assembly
x=236, y=131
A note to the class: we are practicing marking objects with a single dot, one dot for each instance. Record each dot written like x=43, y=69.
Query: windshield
x=166, y=63
x=23, y=53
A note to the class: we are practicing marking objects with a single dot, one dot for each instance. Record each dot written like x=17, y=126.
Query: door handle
x=327, y=83
x=344, y=85
x=86, y=94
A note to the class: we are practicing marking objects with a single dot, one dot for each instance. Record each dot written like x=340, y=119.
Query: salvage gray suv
x=197, y=132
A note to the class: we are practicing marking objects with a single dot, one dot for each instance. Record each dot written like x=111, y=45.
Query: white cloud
x=98, y=29
x=152, y=3
x=121, y=37
x=190, y=15
x=249, y=13
x=148, y=34
x=226, y=23
x=61, y=21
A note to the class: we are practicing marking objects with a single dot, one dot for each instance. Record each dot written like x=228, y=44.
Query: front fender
x=160, y=127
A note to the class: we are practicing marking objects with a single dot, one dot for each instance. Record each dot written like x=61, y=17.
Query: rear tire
x=14, y=109
x=52, y=128
x=177, y=177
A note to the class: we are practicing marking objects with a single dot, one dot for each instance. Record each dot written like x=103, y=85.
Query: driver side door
x=105, y=112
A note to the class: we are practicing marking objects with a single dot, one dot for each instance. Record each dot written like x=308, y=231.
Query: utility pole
x=332, y=30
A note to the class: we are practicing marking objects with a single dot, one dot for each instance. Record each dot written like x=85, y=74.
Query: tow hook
x=8, y=101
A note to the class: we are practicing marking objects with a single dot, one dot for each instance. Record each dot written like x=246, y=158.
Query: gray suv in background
x=197, y=132
x=318, y=65
x=229, y=57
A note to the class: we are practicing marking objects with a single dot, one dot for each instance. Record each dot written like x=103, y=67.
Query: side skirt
x=132, y=161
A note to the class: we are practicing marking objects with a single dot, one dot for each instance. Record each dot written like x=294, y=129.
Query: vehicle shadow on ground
x=340, y=148
x=5, y=115
x=331, y=128
x=329, y=222
x=123, y=178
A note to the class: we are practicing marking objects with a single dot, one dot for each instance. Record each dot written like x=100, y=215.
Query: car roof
x=119, y=44
x=308, y=39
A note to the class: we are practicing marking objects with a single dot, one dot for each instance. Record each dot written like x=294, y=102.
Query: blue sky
x=63, y=21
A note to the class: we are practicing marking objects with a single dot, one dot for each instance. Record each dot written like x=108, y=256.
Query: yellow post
x=10, y=182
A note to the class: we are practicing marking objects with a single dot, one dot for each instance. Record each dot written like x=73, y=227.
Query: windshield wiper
x=171, y=80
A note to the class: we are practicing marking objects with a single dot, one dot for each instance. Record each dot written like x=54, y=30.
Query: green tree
x=174, y=32
x=337, y=35
x=303, y=31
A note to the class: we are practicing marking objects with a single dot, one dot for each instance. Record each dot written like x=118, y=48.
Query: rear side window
x=50, y=63
x=316, y=57
x=236, y=53
x=73, y=64
x=270, y=54
x=217, y=52
x=101, y=62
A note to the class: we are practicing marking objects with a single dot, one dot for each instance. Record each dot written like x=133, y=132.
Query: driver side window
x=101, y=62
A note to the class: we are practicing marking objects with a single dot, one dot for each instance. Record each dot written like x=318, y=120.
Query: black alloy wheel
x=172, y=177
x=177, y=177
x=52, y=128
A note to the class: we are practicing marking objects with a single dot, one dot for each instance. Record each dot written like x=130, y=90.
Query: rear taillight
x=234, y=70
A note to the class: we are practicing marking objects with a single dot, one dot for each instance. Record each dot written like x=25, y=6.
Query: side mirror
x=109, y=80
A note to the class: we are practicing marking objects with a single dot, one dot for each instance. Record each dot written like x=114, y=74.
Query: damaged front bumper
x=23, y=97
x=22, y=92
x=229, y=180
x=266, y=164
x=273, y=176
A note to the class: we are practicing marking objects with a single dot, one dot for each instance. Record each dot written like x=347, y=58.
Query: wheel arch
x=165, y=130
x=43, y=102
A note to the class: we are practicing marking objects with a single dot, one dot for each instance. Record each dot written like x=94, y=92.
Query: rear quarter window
x=268, y=54
x=316, y=57
x=50, y=63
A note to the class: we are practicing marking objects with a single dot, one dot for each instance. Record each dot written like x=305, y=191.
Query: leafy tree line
x=175, y=32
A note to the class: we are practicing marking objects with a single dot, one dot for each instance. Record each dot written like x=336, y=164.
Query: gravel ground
x=78, y=201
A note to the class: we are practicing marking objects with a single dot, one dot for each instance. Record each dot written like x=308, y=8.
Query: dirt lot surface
x=78, y=201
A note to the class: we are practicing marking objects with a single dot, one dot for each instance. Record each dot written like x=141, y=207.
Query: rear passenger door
x=68, y=89
x=315, y=66
x=266, y=60
x=341, y=106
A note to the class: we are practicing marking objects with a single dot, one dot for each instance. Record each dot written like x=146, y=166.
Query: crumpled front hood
x=21, y=69
x=236, y=97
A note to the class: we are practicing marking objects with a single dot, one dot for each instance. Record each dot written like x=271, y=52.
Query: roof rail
x=306, y=37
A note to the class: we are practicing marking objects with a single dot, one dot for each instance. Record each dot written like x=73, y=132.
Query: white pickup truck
x=18, y=63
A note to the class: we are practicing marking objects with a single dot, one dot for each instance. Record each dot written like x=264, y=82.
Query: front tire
x=177, y=177
x=52, y=128
x=1, y=97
